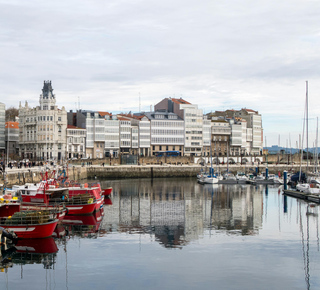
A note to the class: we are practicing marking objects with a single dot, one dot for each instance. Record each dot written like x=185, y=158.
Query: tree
x=11, y=114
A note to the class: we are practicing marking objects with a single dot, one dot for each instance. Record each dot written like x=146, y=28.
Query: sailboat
x=305, y=190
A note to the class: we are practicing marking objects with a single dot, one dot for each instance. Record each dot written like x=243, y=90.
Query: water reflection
x=254, y=231
x=29, y=251
x=180, y=212
x=44, y=251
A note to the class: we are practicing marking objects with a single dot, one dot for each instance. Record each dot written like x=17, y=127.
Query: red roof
x=249, y=110
x=122, y=118
x=180, y=101
x=102, y=114
x=12, y=125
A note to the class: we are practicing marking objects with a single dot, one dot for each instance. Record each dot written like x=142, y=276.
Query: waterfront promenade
x=105, y=171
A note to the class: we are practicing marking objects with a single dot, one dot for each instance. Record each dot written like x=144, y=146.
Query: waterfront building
x=76, y=142
x=238, y=137
x=251, y=132
x=207, y=136
x=221, y=134
x=42, y=129
x=193, y=123
x=12, y=139
x=144, y=136
x=112, y=133
x=2, y=128
x=254, y=121
x=125, y=135
x=94, y=124
x=167, y=132
x=140, y=135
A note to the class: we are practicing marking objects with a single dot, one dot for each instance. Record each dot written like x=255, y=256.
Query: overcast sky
x=216, y=54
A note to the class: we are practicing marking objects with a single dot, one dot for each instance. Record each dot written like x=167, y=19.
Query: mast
x=307, y=125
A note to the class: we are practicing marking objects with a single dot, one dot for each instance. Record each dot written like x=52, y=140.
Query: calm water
x=177, y=234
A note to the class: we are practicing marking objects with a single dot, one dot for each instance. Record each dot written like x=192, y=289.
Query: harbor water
x=176, y=234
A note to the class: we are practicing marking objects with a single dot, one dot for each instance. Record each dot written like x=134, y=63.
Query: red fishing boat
x=30, y=224
x=52, y=196
x=9, y=206
x=93, y=189
x=107, y=191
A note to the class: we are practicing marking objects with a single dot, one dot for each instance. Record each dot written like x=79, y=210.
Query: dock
x=302, y=195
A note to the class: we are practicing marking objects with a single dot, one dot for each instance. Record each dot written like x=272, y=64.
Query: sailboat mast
x=307, y=121
x=317, y=148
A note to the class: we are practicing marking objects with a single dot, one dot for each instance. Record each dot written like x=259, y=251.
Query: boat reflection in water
x=84, y=226
x=43, y=251
x=178, y=213
x=29, y=251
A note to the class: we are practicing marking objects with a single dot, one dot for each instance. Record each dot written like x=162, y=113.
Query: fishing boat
x=9, y=206
x=107, y=191
x=30, y=224
x=51, y=196
x=91, y=189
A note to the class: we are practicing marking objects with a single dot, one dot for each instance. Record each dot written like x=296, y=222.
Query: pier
x=302, y=195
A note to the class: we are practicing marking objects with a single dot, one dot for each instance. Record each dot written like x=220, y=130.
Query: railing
x=31, y=217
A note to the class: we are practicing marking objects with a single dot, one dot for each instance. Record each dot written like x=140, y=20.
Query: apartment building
x=206, y=137
x=254, y=121
x=12, y=139
x=140, y=133
x=112, y=133
x=42, y=129
x=94, y=123
x=247, y=132
x=167, y=132
x=221, y=135
x=2, y=126
x=125, y=135
x=76, y=142
x=193, y=123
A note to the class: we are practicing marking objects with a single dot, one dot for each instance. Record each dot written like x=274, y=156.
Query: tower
x=47, y=98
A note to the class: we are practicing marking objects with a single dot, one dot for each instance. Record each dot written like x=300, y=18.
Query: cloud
x=218, y=55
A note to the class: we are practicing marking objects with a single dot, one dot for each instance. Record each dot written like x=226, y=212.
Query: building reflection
x=178, y=212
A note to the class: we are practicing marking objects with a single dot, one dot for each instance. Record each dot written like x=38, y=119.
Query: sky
x=122, y=56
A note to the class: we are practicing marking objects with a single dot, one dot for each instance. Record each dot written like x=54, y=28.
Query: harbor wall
x=142, y=171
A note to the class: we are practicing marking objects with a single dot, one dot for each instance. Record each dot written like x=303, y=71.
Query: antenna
x=139, y=103
x=79, y=103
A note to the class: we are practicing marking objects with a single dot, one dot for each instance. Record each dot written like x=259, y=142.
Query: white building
x=207, y=137
x=2, y=126
x=167, y=132
x=254, y=121
x=76, y=142
x=43, y=129
x=94, y=124
x=140, y=124
x=193, y=122
x=125, y=135
x=112, y=133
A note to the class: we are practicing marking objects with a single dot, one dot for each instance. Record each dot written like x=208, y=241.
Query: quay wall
x=165, y=170
x=76, y=172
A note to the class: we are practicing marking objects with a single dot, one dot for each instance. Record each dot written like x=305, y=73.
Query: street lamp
x=8, y=127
